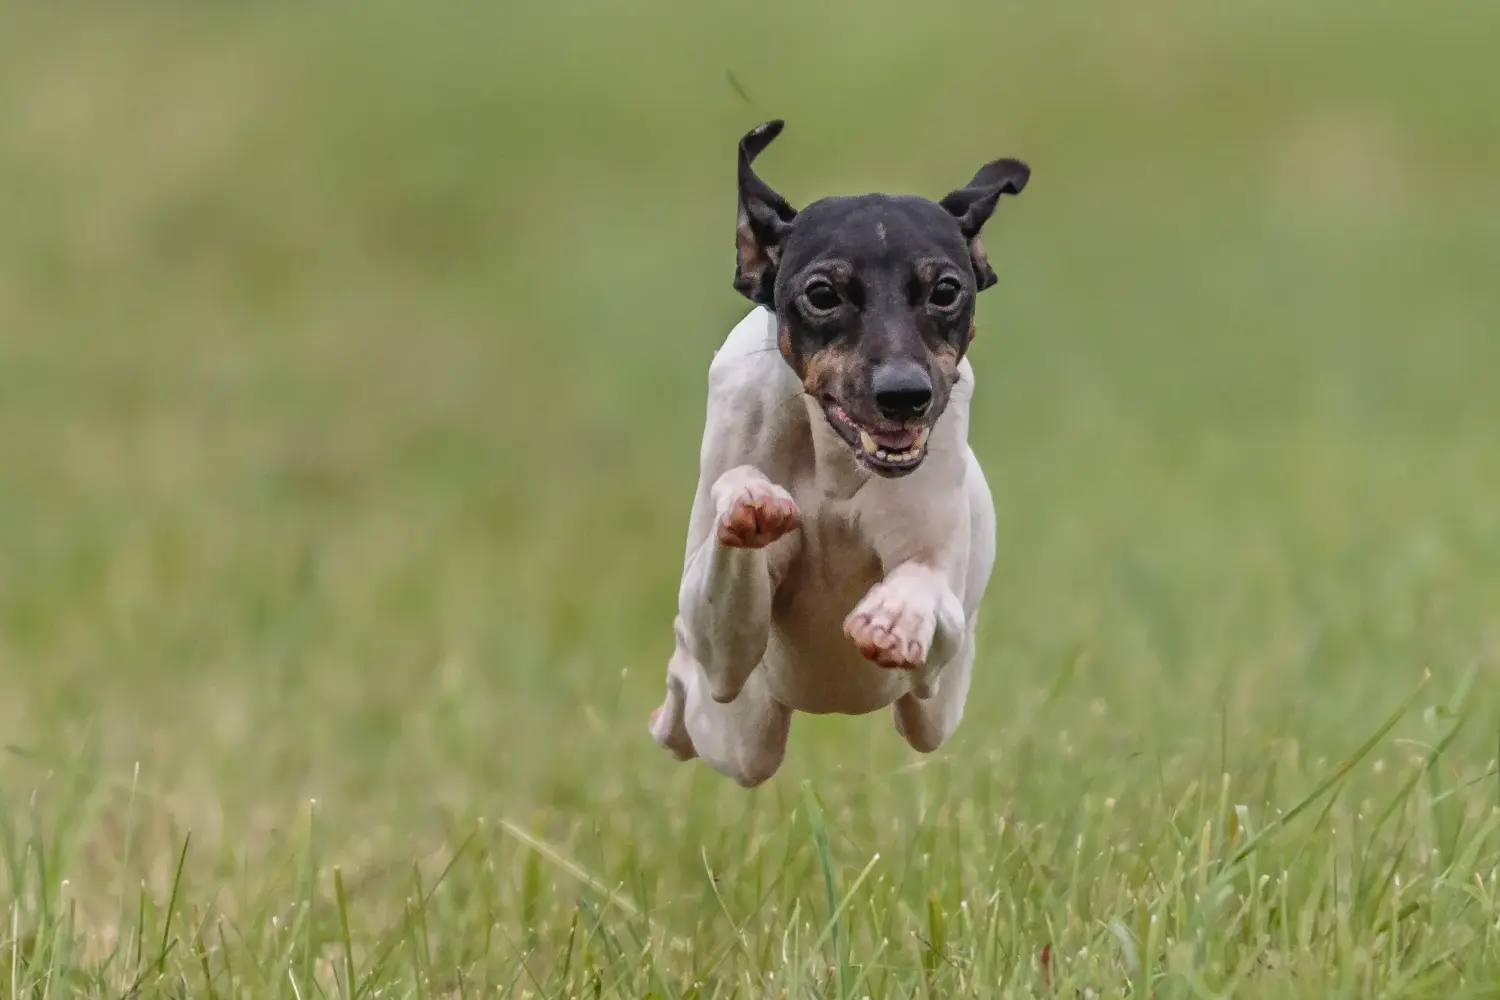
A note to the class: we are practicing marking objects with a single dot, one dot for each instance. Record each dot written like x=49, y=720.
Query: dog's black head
x=874, y=298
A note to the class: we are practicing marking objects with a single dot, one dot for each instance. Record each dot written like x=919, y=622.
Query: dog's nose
x=903, y=390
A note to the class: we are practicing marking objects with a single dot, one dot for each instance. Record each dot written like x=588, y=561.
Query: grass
x=351, y=373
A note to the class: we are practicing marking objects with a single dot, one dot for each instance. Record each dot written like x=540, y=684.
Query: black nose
x=903, y=390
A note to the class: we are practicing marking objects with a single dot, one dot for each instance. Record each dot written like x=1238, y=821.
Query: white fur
x=761, y=632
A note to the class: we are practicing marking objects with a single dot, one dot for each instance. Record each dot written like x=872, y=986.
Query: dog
x=842, y=533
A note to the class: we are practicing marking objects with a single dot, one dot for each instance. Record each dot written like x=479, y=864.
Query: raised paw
x=754, y=512
x=892, y=627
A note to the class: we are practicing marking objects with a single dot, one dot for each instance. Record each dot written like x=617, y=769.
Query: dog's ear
x=764, y=219
x=972, y=205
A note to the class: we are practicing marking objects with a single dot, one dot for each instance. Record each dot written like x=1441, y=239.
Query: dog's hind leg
x=927, y=723
x=744, y=739
x=669, y=721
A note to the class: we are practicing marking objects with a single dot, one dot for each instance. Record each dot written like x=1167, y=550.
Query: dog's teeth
x=868, y=443
x=921, y=438
x=883, y=455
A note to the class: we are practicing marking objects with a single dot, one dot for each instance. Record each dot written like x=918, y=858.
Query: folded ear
x=764, y=220
x=972, y=206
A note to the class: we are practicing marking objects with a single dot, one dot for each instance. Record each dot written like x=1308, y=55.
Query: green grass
x=352, y=368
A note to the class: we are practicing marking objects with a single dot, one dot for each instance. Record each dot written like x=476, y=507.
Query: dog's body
x=914, y=552
x=835, y=563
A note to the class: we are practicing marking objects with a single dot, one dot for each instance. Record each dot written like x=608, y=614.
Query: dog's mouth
x=887, y=451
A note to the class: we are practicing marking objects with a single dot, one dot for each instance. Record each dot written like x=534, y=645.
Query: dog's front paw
x=892, y=627
x=753, y=511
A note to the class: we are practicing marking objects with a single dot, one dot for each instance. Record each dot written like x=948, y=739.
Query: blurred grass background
x=352, y=370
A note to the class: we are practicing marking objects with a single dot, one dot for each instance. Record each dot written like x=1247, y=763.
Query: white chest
x=810, y=663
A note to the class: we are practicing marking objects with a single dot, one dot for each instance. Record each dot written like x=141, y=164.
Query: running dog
x=842, y=534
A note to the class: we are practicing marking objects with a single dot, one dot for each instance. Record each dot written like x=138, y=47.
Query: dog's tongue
x=895, y=440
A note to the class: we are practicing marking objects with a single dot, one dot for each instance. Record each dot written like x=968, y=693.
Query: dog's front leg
x=725, y=598
x=911, y=620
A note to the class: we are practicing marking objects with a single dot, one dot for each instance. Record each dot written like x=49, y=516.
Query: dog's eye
x=945, y=293
x=822, y=296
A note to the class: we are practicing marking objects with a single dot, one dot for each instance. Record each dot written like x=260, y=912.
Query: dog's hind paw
x=892, y=627
x=753, y=511
x=670, y=733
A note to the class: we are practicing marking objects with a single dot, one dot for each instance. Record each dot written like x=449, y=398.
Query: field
x=352, y=370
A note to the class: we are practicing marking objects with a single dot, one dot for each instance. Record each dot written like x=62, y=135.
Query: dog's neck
x=839, y=475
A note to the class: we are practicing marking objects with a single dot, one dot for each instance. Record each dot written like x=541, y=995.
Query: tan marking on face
x=971, y=331
x=784, y=342
x=826, y=369
x=947, y=358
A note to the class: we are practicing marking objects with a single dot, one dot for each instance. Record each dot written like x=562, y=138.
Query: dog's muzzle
x=889, y=452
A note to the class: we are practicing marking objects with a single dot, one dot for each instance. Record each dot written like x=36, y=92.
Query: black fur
x=873, y=294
